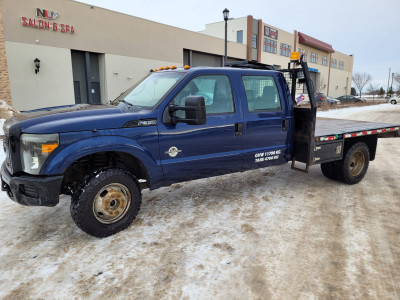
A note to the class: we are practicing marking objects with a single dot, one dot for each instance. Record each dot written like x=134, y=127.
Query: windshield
x=150, y=90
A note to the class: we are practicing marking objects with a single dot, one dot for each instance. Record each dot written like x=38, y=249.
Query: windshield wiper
x=126, y=102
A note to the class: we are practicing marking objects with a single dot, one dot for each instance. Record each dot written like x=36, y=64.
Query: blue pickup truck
x=177, y=124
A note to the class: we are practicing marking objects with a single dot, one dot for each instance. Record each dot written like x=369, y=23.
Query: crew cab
x=176, y=125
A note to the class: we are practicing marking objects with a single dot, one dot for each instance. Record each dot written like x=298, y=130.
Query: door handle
x=238, y=129
x=285, y=125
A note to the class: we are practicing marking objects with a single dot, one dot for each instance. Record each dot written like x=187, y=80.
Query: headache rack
x=300, y=84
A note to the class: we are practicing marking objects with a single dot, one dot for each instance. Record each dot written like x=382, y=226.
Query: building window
x=286, y=50
x=239, y=36
x=341, y=65
x=333, y=63
x=324, y=60
x=254, y=41
x=314, y=57
x=304, y=52
x=270, y=45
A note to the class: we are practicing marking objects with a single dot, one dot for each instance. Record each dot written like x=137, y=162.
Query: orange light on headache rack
x=295, y=56
x=186, y=67
x=48, y=148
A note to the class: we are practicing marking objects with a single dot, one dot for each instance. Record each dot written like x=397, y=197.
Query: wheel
x=106, y=202
x=393, y=101
x=328, y=170
x=354, y=165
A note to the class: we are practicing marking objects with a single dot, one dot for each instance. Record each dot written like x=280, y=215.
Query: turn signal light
x=186, y=67
x=48, y=148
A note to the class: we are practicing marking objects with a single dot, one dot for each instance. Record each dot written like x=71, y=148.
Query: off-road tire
x=83, y=198
x=353, y=167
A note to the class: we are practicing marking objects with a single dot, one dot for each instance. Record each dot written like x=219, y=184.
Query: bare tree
x=360, y=80
x=396, y=78
x=372, y=90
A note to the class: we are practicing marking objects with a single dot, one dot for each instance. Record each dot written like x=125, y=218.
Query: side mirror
x=195, y=111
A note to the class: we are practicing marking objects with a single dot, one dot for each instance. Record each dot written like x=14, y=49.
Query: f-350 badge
x=173, y=151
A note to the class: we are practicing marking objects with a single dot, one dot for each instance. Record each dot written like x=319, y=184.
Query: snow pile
x=6, y=111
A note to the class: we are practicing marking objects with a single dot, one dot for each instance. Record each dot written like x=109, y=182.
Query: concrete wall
x=218, y=29
x=52, y=86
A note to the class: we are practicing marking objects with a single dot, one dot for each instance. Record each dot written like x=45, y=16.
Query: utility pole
x=391, y=86
x=387, y=90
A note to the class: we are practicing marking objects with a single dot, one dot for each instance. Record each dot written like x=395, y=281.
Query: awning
x=312, y=42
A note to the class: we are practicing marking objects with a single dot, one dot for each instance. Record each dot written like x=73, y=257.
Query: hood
x=79, y=117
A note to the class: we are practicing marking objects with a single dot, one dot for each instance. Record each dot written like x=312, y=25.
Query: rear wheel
x=106, y=202
x=354, y=165
x=393, y=101
x=329, y=171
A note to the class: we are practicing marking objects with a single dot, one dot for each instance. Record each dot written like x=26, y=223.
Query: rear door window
x=261, y=93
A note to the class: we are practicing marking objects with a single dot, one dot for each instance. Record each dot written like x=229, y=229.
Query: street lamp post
x=226, y=16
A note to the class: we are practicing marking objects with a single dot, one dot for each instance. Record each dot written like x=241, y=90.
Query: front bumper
x=31, y=190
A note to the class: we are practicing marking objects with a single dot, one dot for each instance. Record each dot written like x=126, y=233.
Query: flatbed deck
x=326, y=127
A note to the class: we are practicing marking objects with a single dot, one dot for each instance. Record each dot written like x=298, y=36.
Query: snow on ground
x=268, y=233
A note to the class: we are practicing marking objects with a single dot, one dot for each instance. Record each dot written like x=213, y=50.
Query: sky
x=367, y=29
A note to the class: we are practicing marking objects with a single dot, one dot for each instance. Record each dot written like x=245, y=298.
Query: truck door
x=195, y=151
x=267, y=122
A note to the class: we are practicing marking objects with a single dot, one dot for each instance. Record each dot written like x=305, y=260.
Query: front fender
x=61, y=160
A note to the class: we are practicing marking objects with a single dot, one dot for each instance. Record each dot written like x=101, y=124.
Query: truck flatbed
x=326, y=128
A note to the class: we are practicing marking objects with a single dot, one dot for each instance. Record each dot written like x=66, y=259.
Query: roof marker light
x=166, y=68
x=173, y=67
x=162, y=68
x=186, y=67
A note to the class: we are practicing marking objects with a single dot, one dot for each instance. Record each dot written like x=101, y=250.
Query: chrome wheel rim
x=111, y=203
x=357, y=162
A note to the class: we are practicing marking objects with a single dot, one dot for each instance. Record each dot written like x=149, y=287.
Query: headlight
x=35, y=148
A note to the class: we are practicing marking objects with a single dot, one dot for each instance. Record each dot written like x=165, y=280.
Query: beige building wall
x=5, y=93
x=234, y=25
x=121, y=72
x=277, y=59
x=52, y=86
x=104, y=31
x=129, y=44
x=323, y=71
x=341, y=80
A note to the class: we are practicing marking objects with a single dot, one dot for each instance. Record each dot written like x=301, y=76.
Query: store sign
x=46, y=14
x=270, y=32
x=46, y=25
